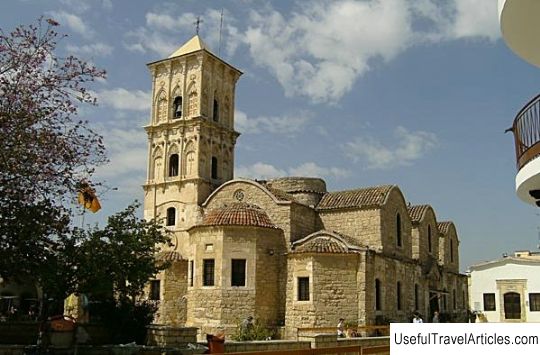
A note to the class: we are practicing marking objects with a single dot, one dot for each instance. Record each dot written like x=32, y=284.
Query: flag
x=87, y=198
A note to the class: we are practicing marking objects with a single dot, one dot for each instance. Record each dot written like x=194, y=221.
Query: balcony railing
x=526, y=129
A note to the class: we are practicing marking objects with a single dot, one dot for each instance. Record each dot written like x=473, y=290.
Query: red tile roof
x=238, y=214
x=362, y=198
x=417, y=212
x=326, y=242
x=444, y=227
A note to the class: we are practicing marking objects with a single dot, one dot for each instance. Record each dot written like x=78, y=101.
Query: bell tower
x=191, y=134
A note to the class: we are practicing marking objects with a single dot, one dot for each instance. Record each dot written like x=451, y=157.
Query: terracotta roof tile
x=363, y=198
x=238, y=214
x=325, y=241
x=444, y=227
x=417, y=212
x=322, y=245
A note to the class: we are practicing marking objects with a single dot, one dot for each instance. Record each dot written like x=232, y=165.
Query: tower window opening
x=214, y=168
x=171, y=216
x=173, y=165
x=177, y=107
x=215, y=112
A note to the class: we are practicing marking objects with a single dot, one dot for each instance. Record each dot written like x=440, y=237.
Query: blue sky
x=416, y=93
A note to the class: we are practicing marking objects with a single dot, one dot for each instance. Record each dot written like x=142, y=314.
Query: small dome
x=237, y=214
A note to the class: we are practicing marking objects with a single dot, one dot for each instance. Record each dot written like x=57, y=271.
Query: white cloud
x=288, y=124
x=261, y=170
x=408, y=147
x=322, y=48
x=476, y=18
x=122, y=99
x=160, y=34
x=74, y=22
x=313, y=170
x=127, y=151
x=80, y=6
x=96, y=49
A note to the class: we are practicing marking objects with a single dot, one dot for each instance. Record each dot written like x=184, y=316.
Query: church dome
x=238, y=214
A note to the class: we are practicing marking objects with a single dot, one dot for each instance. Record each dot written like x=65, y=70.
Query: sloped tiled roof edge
x=417, y=212
x=238, y=214
x=328, y=242
x=444, y=226
x=370, y=197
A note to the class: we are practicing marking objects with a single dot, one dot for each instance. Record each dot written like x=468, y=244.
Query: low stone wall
x=161, y=335
x=265, y=345
x=331, y=341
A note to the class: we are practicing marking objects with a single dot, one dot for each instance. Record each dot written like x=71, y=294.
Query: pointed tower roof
x=193, y=45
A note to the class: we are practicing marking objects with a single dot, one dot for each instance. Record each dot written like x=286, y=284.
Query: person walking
x=341, y=328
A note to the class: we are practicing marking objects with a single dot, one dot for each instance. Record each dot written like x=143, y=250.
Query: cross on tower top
x=198, y=24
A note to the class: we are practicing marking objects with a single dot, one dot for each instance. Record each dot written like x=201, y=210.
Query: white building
x=507, y=289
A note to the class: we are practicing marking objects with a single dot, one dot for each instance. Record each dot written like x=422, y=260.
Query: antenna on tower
x=220, y=30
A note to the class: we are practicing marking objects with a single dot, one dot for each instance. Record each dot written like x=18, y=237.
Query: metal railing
x=526, y=129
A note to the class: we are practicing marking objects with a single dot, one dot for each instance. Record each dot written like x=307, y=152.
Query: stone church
x=286, y=251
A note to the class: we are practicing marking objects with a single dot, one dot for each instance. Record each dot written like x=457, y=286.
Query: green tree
x=120, y=258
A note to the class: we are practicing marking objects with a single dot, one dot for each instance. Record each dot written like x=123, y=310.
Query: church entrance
x=433, y=303
x=512, y=305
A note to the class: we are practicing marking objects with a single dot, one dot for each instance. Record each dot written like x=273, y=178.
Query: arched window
x=214, y=168
x=429, y=238
x=378, y=299
x=215, y=111
x=398, y=294
x=451, y=251
x=398, y=230
x=177, y=107
x=173, y=165
x=171, y=216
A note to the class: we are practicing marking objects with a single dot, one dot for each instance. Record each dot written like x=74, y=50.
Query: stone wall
x=362, y=225
x=333, y=290
x=420, y=236
x=222, y=307
x=167, y=336
x=395, y=204
x=173, y=303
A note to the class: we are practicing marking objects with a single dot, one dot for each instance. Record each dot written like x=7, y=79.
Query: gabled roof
x=417, y=212
x=369, y=197
x=325, y=242
x=193, y=45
